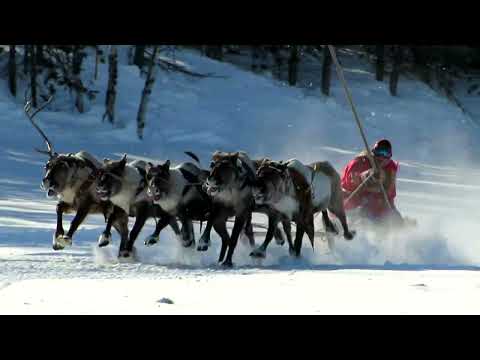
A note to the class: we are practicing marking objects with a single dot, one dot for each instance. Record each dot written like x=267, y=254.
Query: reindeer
x=204, y=242
x=178, y=191
x=229, y=185
x=125, y=186
x=70, y=178
x=295, y=192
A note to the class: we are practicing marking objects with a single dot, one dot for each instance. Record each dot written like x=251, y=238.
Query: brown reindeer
x=125, y=185
x=70, y=178
x=295, y=192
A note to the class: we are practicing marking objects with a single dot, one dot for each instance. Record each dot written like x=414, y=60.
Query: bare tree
x=380, y=50
x=278, y=60
x=12, y=70
x=397, y=60
x=293, y=65
x=97, y=60
x=112, y=85
x=131, y=54
x=214, y=52
x=326, y=71
x=77, y=59
x=39, y=55
x=26, y=65
x=139, y=57
x=33, y=76
x=147, y=90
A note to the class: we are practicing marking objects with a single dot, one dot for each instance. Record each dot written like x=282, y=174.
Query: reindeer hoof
x=227, y=264
x=349, y=235
x=63, y=241
x=203, y=244
x=202, y=247
x=104, y=240
x=57, y=247
x=151, y=240
x=294, y=253
x=126, y=256
x=258, y=254
x=188, y=244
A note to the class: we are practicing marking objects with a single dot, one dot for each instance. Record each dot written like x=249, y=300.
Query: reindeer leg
x=279, y=238
x=188, y=239
x=298, y=239
x=260, y=252
x=121, y=225
x=173, y=224
x=143, y=214
x=287, y=227
x=59, y=232
x=106, y=237
x=80, y=216
x=220, y=227
x=162, y=223
x=204, y=241
x=347, y=234
x=329, y=227
x=249, y=231
x=237, y=228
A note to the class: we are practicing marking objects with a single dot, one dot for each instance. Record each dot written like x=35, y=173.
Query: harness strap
x=143, y=182
x=82, y=162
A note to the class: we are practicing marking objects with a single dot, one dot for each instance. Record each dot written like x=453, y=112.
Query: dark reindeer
x=70, y=178
x=204, y=242
x=125, y=186
x=295, y=192
x=229, y=185
x=178, y=191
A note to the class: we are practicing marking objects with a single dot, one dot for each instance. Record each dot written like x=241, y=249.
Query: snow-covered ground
x=430, y=269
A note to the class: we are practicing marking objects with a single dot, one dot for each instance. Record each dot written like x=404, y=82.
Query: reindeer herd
x=234, y=186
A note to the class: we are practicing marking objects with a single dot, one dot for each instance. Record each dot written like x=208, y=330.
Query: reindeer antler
x=27, y=108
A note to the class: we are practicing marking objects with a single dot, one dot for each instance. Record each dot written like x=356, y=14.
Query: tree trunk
x=380, y=49
x=12, y=71
x=397, y=60
x=33, y=76
x=77, y=82
x=39, y=55
x=139, y=57
x=131, y=55
x=293, y=65
x=26, y=65
x=147, y=90
x=97, y=59
x=112, y=84
x=326, y=71
x=277, y=57
x=215, y=52
x=219, y=52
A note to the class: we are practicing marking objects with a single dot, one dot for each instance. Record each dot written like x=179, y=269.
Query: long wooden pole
x=357, y=119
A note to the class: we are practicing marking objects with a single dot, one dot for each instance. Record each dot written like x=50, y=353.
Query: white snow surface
x=429, y=269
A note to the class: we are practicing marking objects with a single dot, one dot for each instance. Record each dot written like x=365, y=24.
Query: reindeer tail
x=193, y=156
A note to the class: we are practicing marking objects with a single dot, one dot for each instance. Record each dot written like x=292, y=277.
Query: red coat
x=374, y=202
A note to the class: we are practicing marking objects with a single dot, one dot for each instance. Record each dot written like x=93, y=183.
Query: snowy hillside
x=436, y=144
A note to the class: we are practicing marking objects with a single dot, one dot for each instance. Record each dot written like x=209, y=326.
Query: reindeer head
x=109, y=178
x=271, y=181
x=158, y=180
x=225, y=172
x=57, y=170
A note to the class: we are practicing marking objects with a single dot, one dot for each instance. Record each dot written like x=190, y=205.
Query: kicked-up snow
x=428, y=269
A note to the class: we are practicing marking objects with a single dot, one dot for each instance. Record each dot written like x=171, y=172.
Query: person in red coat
x=370, y=198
